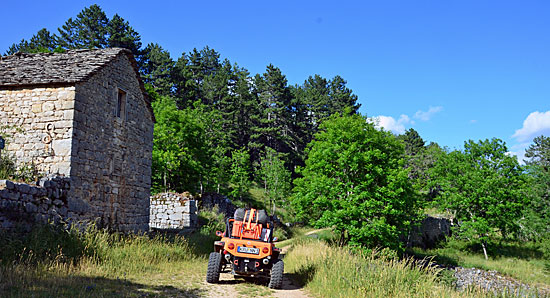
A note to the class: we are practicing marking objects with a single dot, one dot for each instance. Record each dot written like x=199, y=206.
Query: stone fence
x=173, y=211
x=22, y=205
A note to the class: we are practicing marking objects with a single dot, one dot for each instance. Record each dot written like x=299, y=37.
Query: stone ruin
x=173, y=211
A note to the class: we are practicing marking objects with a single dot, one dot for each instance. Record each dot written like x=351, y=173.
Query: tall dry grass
x=329, y=271
x=54, y=262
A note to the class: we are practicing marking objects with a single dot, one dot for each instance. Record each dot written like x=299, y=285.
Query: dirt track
x=236, y=287
x=232, y=287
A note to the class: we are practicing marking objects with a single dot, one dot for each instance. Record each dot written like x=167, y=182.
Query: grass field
x=51, y=262
x=328, y=271
x=520, y=260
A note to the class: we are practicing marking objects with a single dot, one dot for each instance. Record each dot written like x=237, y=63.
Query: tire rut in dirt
x=214, y=267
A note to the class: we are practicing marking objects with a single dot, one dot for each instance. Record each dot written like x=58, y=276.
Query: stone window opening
x=121, y=103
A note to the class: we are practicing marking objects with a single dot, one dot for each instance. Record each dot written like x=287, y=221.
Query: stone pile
x=22, y=205
x=173, y=211
x=492, y=281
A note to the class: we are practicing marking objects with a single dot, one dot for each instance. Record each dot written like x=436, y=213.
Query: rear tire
x=214, y=267
x=276, y=280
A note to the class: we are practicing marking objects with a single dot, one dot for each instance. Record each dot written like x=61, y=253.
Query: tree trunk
x=483, y=244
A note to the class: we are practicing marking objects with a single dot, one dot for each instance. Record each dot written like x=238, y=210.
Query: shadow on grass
x=78, y=286
x=303, y=276
x=443, y=260
x=524, y=251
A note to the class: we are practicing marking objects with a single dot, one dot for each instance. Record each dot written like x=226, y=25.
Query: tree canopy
x=483, y=187
x=354, y=181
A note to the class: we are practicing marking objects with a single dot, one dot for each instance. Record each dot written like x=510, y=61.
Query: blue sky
x=452, y=70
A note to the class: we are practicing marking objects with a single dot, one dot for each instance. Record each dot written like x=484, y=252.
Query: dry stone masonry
x=84, y=115
x=40, y=122
x=172, y=211
x=22, y=205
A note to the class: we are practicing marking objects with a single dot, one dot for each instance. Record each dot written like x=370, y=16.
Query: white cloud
x=389, y=123
x=519, y=151
x=425, y=116
x=534, y=125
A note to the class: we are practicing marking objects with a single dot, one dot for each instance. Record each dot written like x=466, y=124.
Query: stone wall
x=112, y=154
x=39, y=126
x=172, y=211
x=22, y=205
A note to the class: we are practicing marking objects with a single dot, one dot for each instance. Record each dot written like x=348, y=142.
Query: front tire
x=214, y=267
x=276, y=280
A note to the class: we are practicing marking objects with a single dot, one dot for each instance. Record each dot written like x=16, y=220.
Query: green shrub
x=211, y=220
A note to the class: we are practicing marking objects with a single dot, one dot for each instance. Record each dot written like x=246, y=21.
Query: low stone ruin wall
x=172, y=211
x=22, y=205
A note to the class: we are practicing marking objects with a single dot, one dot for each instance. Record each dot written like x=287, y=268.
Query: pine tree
x=121, y=35
x=341, y=97
x=42, y=41
x=190, y=72
x=87, y=30
x=156, y=68
x=272, y=128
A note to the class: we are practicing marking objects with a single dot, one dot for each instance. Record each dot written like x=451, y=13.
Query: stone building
x=83, y=114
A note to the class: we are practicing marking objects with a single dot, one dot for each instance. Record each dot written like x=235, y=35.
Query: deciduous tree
x=482, y=186
x=354, y=181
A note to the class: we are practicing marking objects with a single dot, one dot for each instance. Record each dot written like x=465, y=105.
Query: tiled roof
x=51, y=68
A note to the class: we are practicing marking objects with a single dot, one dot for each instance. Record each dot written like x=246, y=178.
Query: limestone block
x=48, y=106
x=36, y=108
x=61, y=147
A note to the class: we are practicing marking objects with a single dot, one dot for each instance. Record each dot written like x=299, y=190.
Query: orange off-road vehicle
x=246, y=247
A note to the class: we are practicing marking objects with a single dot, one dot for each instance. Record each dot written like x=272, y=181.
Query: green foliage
x=271, y=127
x=420, y=165
x=276, y=178
x=41, y=42
x=414, y=143
x=482, y=186
x=536, y=219
x=156, y=69
x=211, y=220
x=87, y=30
x=43, y=243
x=354, y=181
x=538, y=153
x=180, y=152
x=545, y=247
x=240, y=173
